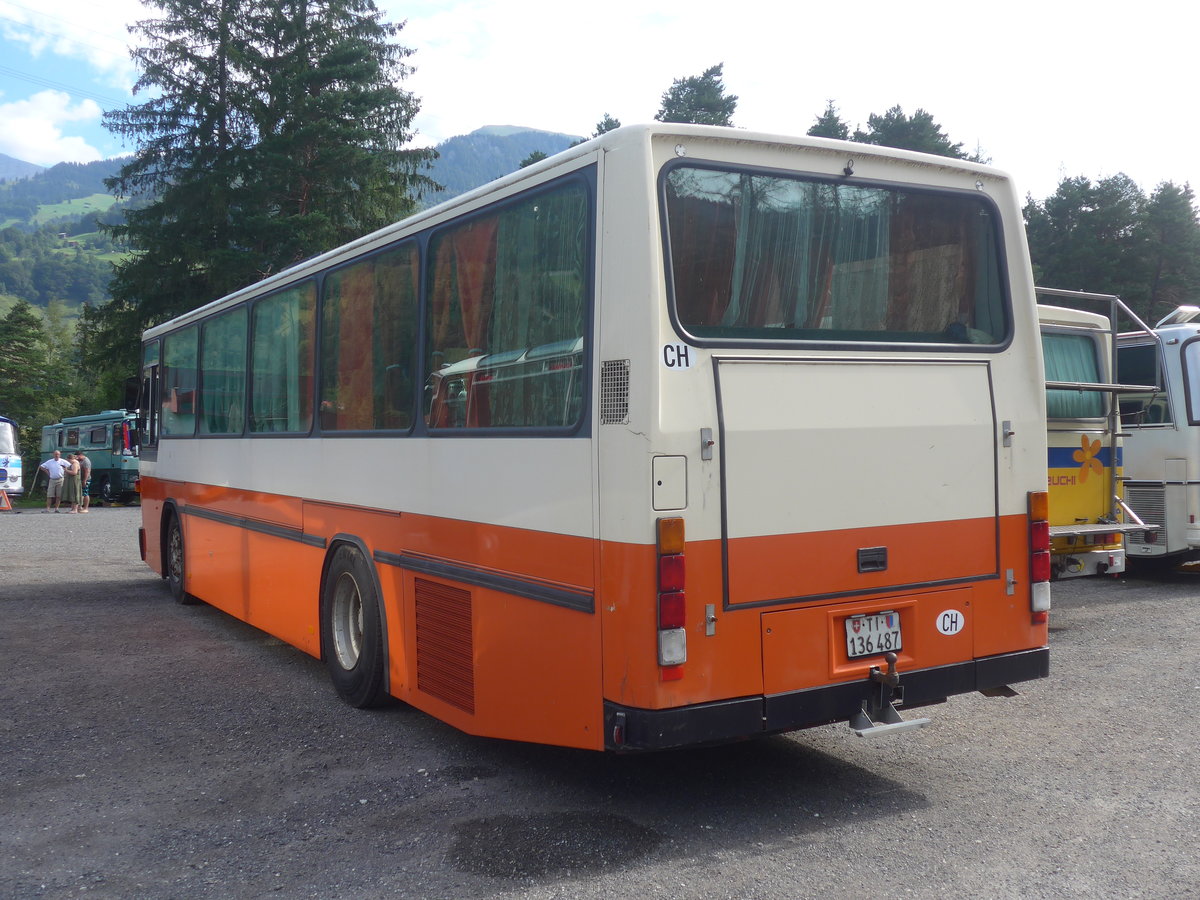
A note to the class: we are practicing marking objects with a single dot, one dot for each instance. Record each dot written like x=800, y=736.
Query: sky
x=1046, y=90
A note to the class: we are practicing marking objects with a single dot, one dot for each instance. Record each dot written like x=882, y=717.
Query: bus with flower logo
x=1089, y=519
x=684, y=435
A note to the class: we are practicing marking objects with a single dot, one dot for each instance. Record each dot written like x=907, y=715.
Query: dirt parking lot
x=158, y=751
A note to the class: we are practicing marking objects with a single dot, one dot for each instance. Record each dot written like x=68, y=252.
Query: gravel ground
x=158, y=751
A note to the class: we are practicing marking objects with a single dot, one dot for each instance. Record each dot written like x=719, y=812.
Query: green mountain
x=51, y=248
x=12, y=169
x=470, y=160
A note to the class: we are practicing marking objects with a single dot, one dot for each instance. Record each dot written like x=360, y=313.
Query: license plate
x=873, y=634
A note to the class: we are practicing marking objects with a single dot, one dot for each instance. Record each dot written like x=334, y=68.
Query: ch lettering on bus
x=677, y=356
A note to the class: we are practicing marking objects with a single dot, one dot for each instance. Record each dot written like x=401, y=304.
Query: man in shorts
x=85, y=479
x=55, y=468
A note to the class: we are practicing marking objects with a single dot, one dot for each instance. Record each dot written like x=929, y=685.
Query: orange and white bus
x=683, y=435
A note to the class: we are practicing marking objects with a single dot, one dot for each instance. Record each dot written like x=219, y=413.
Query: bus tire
x=352, y=629
x=174, y=561
x=106, y=491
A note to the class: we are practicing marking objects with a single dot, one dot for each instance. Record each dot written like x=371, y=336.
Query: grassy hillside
x=80, y=206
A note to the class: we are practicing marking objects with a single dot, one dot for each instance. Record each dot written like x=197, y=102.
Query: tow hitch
x=877, y=716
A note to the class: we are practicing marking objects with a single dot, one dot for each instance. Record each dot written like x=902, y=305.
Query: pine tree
x=274, y=132
x=1172, y=236
x=1092, y=237
x=700, y=99
x=606, y=124
x=829, y=124
x=916, y=132
x=330, y=163
x=27, y=385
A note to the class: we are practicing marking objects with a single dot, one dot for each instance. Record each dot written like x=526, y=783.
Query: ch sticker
x=677, y=356
x=951, y=622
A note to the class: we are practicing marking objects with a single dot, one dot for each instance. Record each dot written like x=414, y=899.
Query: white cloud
x=88, y=30
x=31, y=130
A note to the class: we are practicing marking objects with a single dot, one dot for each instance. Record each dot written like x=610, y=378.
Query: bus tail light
x=1039, y=557
x=672, y=601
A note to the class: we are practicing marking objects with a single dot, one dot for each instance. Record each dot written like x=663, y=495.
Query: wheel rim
x=346, y=614
x=175, y=554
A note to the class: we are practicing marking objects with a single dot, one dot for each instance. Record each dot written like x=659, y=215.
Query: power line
x=56, y=85
x=41, y=81
x=60, y=34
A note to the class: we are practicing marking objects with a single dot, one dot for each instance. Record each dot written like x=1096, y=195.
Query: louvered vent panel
x=614, y=392
x=1150, y=503
x=445, y=652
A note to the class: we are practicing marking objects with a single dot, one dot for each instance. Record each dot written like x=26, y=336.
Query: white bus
x=1162, y=449
x=683, y=435
x=11, y=471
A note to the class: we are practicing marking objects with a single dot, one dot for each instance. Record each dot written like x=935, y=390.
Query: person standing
x=55, y=468
x=70, y=490
x=85, y=480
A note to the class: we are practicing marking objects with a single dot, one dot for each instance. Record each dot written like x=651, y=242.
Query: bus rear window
x=768, y=257
x=1072, y=358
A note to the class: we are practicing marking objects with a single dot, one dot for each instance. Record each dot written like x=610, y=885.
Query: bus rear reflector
x=671, y=573
x=670, y=535
x=672, y=601
x=1039, y=557
x=671, y=610
x=1040, y=568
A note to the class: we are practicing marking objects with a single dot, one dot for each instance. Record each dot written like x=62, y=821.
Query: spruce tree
x=699, y=99
x=329, y=164
x=916, y=132
x=274, y=131
x=830, y=125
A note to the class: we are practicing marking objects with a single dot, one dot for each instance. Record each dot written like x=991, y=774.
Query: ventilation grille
x=1150, y=503
x=614, y=392
x=445, y=651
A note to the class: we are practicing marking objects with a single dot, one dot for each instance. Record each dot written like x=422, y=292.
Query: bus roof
x=106, y=416
x=1061, y=315
x=618, y=138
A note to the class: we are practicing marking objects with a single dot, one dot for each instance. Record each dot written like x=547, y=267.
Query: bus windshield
x=778, y=258
x=8, y=438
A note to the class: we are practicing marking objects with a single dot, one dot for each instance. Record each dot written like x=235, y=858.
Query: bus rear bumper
x=629, y=729
x=1087, y=562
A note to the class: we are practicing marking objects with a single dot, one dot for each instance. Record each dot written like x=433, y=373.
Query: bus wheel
x=352, y=630
x=106, y=491
x=173, y=564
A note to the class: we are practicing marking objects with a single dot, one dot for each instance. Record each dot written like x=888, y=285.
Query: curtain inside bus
x=787, y=258
x=1072, y=357
x=509, y=294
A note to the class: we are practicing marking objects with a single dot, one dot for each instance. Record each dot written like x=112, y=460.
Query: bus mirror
x=133, y=386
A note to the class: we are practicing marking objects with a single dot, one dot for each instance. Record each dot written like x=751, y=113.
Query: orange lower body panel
x=560, y=626
x=534, y=666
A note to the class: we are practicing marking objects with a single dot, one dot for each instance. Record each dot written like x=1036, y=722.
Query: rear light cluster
x=1039, y=556
x=672, y=600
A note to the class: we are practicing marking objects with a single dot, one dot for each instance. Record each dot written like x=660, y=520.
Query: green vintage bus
x=110, y=441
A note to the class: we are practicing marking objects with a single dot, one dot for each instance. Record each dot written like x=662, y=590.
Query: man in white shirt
x=55, y=467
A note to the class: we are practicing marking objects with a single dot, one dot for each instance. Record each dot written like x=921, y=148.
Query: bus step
x=884, y=721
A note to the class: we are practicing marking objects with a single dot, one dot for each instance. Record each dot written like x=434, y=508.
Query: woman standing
x=72, y=492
